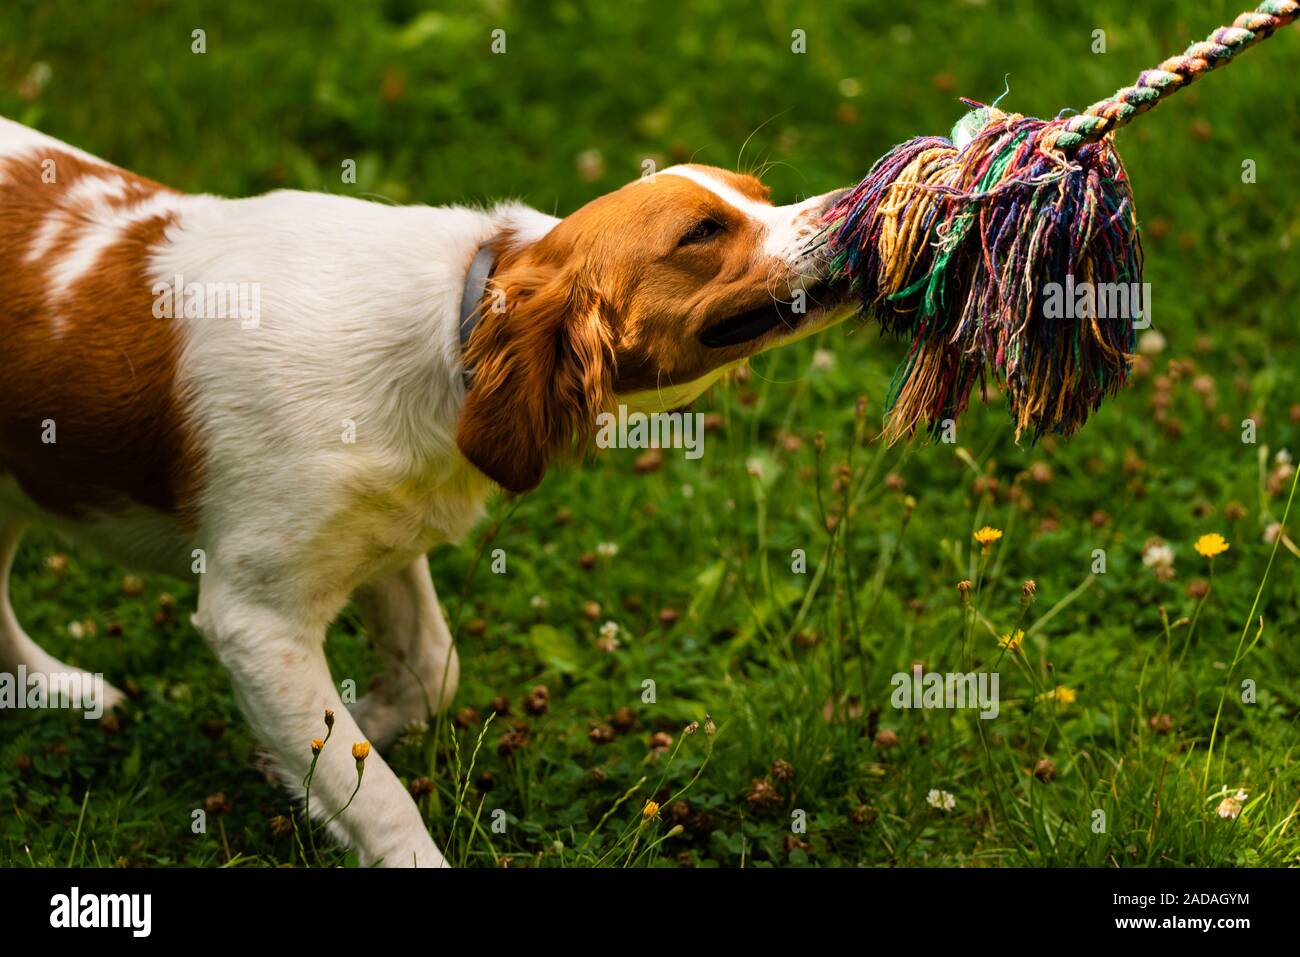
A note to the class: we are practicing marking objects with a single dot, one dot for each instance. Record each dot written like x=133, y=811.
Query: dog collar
x=480, y=268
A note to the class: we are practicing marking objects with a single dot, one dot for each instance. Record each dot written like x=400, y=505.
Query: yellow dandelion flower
x=316, y=745
x=361, y=751
x=1211, y=545
x=986, y=536
x=651, y=809
x=1065, y=695
x=1013, y=641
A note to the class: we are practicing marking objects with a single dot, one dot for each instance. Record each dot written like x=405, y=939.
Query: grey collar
x=472, y=296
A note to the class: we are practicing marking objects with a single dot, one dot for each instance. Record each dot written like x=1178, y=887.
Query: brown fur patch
x=542, y=372
x=90, y=357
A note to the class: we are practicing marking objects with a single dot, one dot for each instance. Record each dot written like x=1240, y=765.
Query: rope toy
x=952, y=242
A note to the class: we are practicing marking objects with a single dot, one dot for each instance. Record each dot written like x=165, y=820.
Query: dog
x=294, y=397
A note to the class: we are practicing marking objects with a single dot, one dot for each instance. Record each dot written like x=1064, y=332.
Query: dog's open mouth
x=749, y=325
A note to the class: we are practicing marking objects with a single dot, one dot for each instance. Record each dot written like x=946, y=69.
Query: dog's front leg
x=281, y=678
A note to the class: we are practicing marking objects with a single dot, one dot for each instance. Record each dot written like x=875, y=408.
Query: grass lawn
x=1131, y=659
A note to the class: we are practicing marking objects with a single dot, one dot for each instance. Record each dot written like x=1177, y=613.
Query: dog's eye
x=701, y=232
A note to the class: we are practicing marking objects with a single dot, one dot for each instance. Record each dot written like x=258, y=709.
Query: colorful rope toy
x=951, y=243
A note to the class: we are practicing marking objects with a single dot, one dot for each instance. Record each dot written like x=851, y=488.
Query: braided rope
x=1153, y=86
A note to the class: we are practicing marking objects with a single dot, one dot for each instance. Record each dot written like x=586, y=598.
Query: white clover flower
x=1232, y=805
x=1283, y=457
x=1229, y=808
x=539, y=602
x=1151, y=343
x=823, y=360
x=1158, y=555
x=941, y=800
x=607, y=549
x=1272, y=532
x=609, y=630
x=590, y=164
x=77, y=630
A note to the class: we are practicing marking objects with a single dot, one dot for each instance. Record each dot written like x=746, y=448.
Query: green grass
x=792, y=668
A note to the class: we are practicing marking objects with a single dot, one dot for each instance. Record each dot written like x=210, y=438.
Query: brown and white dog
x=275, y=394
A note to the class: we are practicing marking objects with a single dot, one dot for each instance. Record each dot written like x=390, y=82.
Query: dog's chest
x=378, y=528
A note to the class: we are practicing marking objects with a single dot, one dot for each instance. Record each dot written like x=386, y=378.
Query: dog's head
x=644, y=296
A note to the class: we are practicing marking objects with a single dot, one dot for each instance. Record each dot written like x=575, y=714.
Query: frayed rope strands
x=952, y=244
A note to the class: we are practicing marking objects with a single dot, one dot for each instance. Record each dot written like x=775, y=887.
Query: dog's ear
x=541, y=369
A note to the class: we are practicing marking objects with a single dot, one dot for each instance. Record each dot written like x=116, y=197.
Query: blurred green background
x=583, y=94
